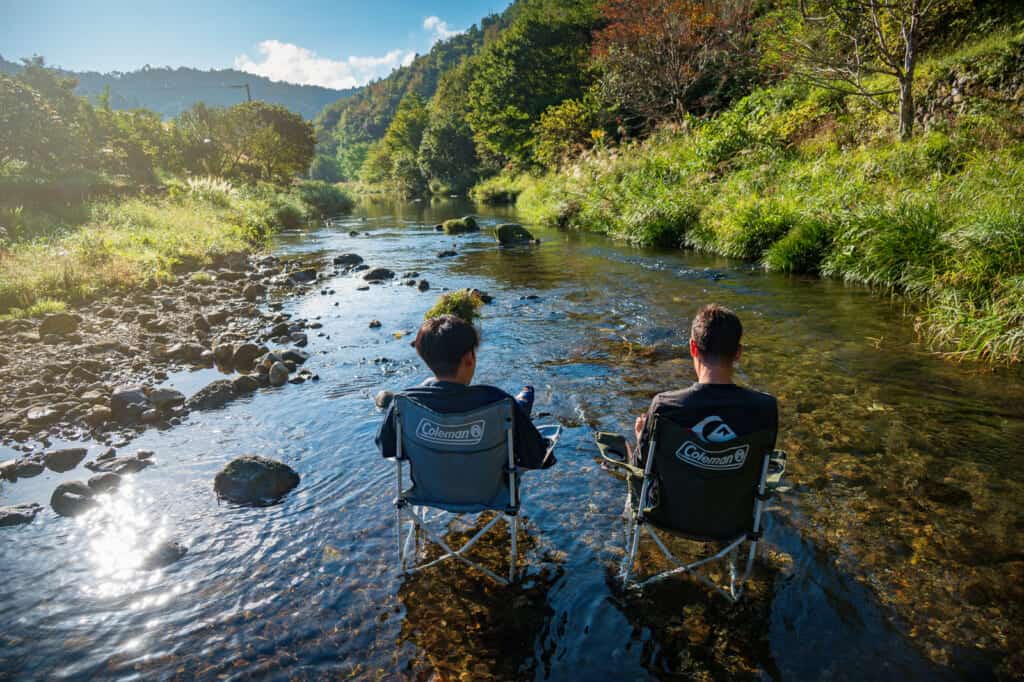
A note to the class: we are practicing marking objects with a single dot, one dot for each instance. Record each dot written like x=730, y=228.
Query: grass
x=40, y=308
x=804, y=181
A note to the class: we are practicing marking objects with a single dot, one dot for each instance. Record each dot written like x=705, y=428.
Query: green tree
x=447, y=154
x=33, y=136
x=570, y=127
x=538, y=62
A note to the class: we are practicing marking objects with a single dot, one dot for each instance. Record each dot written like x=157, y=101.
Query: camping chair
x=709, y=492
x=461, y=463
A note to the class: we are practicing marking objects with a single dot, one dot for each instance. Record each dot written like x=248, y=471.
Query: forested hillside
x=170, y=91
x=813, y=137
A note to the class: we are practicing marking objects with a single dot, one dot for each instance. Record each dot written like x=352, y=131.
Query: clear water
x=896, y=553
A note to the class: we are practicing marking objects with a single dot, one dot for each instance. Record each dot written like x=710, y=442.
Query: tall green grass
x=804, y=181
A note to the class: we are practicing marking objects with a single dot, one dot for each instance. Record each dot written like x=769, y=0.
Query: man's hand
x=638, y=427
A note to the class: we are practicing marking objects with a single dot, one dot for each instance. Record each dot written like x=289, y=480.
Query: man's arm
x=386, y=433
x=529, y=446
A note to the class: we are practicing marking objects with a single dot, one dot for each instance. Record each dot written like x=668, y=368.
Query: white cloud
x=440, y=30
x=293, y=64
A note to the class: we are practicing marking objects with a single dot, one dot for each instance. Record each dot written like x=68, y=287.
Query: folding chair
x=700, y=491
x=461, y=463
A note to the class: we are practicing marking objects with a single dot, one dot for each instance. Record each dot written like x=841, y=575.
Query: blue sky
x=337, y=44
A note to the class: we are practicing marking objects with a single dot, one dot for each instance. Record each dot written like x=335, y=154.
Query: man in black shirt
x=715, y=409
x=447, y=344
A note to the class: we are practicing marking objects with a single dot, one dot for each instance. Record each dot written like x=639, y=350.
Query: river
x=896, y=553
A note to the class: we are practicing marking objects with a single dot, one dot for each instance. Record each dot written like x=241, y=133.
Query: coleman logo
x=713, y=460
x=456, y=434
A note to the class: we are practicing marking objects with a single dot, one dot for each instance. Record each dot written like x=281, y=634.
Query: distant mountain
x=170, y=91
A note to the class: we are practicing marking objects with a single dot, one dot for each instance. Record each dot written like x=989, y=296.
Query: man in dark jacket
x=447, y=344
x=715, y=409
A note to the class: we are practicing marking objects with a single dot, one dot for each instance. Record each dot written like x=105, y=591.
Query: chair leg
x=627, y=562
x=513, y=528
x=398, y=535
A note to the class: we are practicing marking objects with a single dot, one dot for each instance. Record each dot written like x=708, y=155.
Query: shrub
x=464, y=303
x=802, y=249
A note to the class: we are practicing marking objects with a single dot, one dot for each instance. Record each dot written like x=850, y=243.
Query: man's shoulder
x=447, y=397
x=698, y=393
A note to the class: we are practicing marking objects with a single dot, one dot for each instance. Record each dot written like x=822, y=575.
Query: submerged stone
x=252, y=479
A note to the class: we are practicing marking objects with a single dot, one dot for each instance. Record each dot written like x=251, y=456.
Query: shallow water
x=896, y=553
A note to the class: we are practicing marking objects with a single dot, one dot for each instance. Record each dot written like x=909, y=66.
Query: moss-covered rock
x=512, y=233
x=460, y=225
x=464, y=303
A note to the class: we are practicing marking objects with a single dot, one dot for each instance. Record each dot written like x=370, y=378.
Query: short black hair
x=443, y=341
x=717, y=332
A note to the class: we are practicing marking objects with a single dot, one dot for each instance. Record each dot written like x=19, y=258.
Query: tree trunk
x=906, y=109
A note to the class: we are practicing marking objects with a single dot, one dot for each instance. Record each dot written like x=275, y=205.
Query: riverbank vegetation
x=94, y=200
x=880, y=144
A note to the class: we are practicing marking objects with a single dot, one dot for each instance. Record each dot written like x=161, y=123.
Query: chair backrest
x=706, y=489
x=457, y=460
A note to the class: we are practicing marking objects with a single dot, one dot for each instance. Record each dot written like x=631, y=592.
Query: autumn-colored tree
x=664, y=59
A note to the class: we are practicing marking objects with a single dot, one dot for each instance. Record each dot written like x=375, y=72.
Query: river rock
x=9, y=470
x=72, y=498
x=512, y=233
x=294, y=355
x=384, y=399
x=104, y=482
x=60, y=324
x=252, y=479
x=98, y=415
x=41, y=416
x=127, y=403
x=348, y=259
x=254, y=291
x=447, y=253
x=224, y=354
x=163, y=555
x=303, y=276
x=423, y=285
x=246, y=354
x=18, y=514
x=212, y=396
x=460, y=225
x=378, y=274
x=63, y=460
x=119, y=465
x=375, y=324
x=278, y=374
x=246, y=383
x=164, y=399
x=28, y=467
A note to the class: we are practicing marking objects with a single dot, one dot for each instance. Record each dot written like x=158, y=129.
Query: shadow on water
x=896, y=554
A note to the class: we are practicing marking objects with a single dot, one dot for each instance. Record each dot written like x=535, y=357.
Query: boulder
x=423, y=285
x=212, y=396
x=383, y=399
x=252, y=479
x=447, y=253
x=375, y=324
x=72, y=498
x=348, y=259
x=246, y=354
x=278, y=374
x=254, y=291
x=9, y=470
x=513, y=233
x=63, y=460
x=164, y=554
x=18, y=514
x=378, y=274
x=59, y=324
x=164, y=399
x=460, y=225
x=104, y=482
x=127, y=403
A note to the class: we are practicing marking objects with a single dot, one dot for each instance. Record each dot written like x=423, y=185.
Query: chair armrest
x=776, y=468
